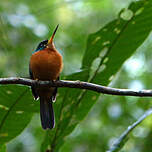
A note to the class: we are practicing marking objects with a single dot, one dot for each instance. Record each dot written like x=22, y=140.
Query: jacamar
x=46, y=64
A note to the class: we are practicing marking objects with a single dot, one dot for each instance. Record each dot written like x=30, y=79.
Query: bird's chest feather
x=46, y=65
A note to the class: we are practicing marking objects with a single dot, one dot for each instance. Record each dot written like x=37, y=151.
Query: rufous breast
x=46, y=64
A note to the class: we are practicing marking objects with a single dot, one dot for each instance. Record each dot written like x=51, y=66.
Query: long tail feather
x=46, y=113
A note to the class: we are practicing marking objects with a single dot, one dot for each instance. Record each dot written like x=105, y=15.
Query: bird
x=46, y=65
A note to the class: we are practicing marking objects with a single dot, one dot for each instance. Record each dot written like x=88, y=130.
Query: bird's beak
x=50, y=41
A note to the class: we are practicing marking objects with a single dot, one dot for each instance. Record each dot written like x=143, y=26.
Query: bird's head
x=47, y=43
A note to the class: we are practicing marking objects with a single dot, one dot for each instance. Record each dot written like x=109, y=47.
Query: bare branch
x=77, y=84
x=120, y=141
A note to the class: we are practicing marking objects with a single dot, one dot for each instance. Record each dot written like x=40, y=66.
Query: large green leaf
x=106, y=51
x=16, y=110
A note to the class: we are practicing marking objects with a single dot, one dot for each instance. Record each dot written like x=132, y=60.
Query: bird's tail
x=46, y=113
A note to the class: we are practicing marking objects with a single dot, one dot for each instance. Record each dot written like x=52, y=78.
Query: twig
x=120, y=141
x=77, y=84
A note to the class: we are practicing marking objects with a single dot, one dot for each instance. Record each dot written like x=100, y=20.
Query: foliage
x=106, y=51
x=2, y=148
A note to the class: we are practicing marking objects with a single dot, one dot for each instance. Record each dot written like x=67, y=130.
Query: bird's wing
x=32, y=87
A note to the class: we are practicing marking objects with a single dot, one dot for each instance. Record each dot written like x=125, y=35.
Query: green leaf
x=16, y=110
x=2, y=148
x=106, y=51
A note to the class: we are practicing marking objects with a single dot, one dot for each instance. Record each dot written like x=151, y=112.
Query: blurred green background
x=24, y=23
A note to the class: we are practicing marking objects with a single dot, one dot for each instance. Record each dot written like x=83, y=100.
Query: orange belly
x=46, y=64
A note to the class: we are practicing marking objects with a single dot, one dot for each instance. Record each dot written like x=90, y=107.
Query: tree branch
x=121, y=140
x=77, y=84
